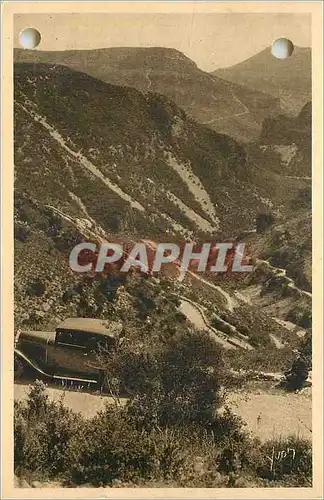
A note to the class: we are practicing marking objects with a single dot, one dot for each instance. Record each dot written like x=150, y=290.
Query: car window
x=89, y=341
x=96, y=342
x=70, y=337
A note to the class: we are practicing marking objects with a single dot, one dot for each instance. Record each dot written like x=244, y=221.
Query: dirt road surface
x=274, y=413
x=195, y=314
x=86, y=403
x=280, y=413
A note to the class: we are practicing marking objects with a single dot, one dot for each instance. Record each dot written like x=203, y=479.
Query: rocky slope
x=97, y=161
x=134, y=163
x=282, y=162
x=224, y=106
x=93, y=160
x=286, y=79
x=289, y=140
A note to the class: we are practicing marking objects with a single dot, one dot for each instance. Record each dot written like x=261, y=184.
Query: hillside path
x=195, y=314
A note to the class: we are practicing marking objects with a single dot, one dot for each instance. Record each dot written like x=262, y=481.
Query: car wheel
x=18, y=368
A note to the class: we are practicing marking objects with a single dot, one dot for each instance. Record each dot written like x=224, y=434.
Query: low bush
x=176, y=383
x=174, y=429
x=296, y=376
x=287, y=459
x=264, y=221
x=42, y=431
x=36, y=288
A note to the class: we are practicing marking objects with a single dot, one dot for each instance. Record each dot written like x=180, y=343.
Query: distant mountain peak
x=287, y=79
x=264, y=55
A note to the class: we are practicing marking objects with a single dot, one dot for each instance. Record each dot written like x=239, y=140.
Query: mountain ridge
x=141, y=149
x=94, y=161
x=224, y=106
x=287, y=79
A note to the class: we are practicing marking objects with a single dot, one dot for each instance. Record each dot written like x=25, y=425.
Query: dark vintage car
x=70, y=352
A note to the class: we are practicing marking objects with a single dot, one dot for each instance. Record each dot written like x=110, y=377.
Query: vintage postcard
x=162, y=250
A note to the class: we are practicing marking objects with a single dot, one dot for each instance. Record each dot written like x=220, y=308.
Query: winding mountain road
x=230, y=301
x=282, y=273
x=196, y=315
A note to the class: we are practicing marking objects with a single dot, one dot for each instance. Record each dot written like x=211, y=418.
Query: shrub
x=36, y=288
x=300, y=316
x=306, y=349
x=114, y=451
x=111, y=449
x=175, y=384
x=21, y=233
x=296, y=377
x=303, y=198
x=264, y=221
x=284, y=458
x=42, y=431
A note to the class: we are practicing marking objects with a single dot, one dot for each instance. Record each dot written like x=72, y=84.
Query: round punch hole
x=282, y=48
x=29, y=38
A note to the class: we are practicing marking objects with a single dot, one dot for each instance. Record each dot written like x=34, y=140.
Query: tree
x=36, y=288
x=264, y=221
x=297, y=375
x=176, y=383
x=306, y=348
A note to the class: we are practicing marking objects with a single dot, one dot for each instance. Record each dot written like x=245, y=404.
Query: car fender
x=30, y=363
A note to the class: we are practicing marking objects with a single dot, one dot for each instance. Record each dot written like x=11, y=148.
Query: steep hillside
x=287, y=79
x=98, y=162
x=288, y=245
x=225, y=107
x=135, y=164
x=285, y=145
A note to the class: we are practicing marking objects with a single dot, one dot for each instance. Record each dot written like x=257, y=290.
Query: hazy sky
x=211, y=40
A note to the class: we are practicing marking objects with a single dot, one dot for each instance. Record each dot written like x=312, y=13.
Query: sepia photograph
x=162, y=258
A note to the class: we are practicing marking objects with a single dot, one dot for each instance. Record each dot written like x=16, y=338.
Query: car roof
x=92, y=325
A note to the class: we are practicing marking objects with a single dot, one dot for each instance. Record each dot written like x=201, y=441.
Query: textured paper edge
x=8, y=11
